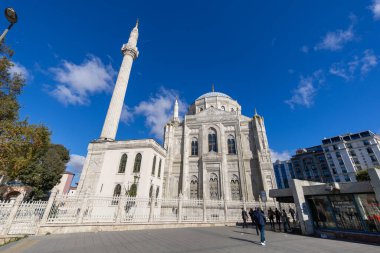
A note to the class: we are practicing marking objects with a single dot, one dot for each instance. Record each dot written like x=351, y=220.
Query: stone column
x=111, y=122
x=224, y=166
x=302, y=207
x=185, y=159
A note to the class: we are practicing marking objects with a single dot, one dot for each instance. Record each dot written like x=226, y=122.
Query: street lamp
x=11, y=16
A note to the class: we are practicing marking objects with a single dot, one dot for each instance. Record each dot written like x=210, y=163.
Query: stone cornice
x=129, y=144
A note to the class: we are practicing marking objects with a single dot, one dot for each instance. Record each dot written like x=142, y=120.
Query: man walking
x=271, y=218
x=244, y=215
x=252, y=215
x=292, y=212
x=277, y=213
x=260, y=221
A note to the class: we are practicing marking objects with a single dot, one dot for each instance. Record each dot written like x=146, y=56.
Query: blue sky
x=309, y=67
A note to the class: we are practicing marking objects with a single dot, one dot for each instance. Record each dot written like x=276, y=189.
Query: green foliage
x=25, y=149
x=133, y=190
x=362, y=175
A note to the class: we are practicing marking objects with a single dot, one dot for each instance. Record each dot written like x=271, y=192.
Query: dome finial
x=212, y=88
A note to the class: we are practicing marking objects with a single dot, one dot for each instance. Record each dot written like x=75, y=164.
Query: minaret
x=175, y=114
x=130, y=53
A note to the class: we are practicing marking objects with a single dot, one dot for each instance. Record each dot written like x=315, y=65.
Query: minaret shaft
x=111, y=122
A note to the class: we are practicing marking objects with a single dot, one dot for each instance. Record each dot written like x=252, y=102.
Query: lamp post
x=11, y=16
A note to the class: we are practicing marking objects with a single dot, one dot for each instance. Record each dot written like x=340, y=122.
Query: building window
x=137, y=166
x=159, y=169
x=337, y=154
x=200, y=109
x=373, y=158
x=157, y=192
x=194, y=187
x=366, y=142
x=194, y=146
x=212, y=141
x=117, y=190
x=123, y=163
x=369, y=150
x=154, y=166
x=214, y=186
x=235, y=188
x=223, y=108
x=151, y=191
x=231, y=145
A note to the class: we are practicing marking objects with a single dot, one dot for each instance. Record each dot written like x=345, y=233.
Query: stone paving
x=216, y=239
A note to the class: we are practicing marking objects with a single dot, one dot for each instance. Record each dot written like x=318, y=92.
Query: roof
x=214, y=94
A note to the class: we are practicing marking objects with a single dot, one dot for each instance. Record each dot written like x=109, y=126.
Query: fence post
x=180, y=208
x=225, y=211
x=151, y=209
x=204, y=211
x=83, y=207
x=120, y=208
x=13, y=213
x=49, y=205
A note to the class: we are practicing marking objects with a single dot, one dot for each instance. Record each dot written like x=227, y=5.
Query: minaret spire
x=212, y=88
x=130, y=53
x=175, y=113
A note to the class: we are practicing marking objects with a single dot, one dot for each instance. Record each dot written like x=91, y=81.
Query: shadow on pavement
x=245, y=240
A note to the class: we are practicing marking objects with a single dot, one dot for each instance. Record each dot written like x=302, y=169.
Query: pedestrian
x=260, y=221
x=244, y=215
x=285, y=221
x=252, y=215
x=292, y=212
x=271, y=218
x=278, y=218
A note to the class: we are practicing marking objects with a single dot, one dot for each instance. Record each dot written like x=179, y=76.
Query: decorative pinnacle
x=255, y=112
x=212, y=88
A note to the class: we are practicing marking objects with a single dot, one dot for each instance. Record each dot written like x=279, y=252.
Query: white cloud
x=335, y=41
x=281, y=156
x=76, y=83
x=306, y=90
x=76, y=163
x=375, y=8
x=158, y=109
x=357, y=65
x=126, y=115
x=17, y=68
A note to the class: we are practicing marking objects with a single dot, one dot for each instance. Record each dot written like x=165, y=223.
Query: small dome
x=214, y=94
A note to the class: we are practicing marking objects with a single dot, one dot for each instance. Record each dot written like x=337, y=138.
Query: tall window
x=212, y=141
x=231, y=145
x=117, y=190
x=194, y=187
x=151, y=191
x=194, y=146
x=137, y=166
x=235, y=188
x=123, y=163
x=154, y=166
x=157, y=192
x=214, y=187
x=159, y=169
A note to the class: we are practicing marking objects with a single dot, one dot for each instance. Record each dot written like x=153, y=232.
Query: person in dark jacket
x=252, y=215
x=277, y=213
x=244, y=216
x=260, y=221
x=271, y=218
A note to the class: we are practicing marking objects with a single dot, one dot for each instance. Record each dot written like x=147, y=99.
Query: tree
x=25, y=149
x=362, y=175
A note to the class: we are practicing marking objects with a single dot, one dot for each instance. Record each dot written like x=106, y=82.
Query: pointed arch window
x=123, y=163
x=159, y=169
x=137, y=165
x=151, y=191
x=235, y=188
x=212, y=141
x=117, y=190
x=214, y=186
x=194, y=187
x=194, y=146
x=231, y=144
x=157, y=192
x=154, y=165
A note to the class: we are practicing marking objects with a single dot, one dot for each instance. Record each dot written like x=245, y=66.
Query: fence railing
x=18, y=217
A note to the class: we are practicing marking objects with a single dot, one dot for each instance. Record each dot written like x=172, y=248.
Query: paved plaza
x=218, y=239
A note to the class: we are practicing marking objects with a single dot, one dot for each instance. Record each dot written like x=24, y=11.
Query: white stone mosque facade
x=215, y=152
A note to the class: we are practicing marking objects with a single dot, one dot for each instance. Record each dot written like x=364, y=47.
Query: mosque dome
x=214, y=94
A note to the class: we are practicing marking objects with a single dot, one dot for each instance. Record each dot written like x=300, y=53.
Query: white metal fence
x=18, y=217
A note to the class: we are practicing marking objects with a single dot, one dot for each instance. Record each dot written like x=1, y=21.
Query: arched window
x=231, y=145
x=212, y=141
x=214, y=186
x=223, y=108
x=200, y=109
x=123, y=163
x=235, y=188
x=194, y=146
x=117, y=190
x=159, y=169
x=151, y=191
x=154, y=166
x=194, y=187
x=137, y=166
x=157, y=192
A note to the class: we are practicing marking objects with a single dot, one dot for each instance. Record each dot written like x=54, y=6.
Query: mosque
x=214, y=153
